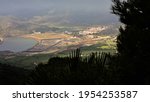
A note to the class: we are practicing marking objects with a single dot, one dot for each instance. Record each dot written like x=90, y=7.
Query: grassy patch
x=105, y=47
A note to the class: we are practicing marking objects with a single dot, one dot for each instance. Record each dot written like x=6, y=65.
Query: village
x=58, y=42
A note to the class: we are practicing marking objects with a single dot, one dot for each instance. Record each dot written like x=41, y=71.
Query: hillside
x=13, y=26
x=54, y=39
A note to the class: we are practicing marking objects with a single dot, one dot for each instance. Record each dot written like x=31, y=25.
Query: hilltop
x=13, y=26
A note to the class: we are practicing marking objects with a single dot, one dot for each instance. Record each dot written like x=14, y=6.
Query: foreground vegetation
x=10, y=75
x=95, y=69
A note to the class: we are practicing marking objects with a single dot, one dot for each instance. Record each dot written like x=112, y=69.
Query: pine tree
x=134, y=37
x=133, y=41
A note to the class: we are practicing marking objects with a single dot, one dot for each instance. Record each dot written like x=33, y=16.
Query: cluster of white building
x=92, y=30
x=1, y=39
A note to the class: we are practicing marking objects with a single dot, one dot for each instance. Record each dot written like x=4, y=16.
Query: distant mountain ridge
x=11, y=26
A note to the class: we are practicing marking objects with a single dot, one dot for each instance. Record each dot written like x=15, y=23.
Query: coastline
x=30, y=37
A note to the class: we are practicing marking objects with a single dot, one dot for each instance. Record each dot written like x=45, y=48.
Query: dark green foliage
x=132, y=12
x=74, y=59
x=73, y=70
x=97, y=68
x=133, y=41
x=10, y=75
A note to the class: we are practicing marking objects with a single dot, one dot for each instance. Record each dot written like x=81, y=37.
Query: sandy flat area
x=44, y=36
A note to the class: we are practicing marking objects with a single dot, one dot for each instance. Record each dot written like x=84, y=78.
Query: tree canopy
x=133, y=41
x=134, y=36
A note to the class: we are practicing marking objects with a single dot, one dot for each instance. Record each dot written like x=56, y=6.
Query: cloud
x=74, y=4
x=84, y=9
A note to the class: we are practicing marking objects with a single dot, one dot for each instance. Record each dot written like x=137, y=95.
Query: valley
x=55, y=43
x=51, y=44
x=52, y=39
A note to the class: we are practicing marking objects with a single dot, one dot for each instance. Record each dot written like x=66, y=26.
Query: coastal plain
x=51, y=44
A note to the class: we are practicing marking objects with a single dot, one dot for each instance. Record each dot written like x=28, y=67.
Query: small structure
x=37, y=32
x=67, y=32
x=1, y=40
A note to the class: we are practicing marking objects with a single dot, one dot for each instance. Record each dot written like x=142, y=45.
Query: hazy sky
x=88, y=8
x=76, y=5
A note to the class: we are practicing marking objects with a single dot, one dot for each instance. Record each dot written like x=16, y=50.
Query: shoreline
x=30, y=37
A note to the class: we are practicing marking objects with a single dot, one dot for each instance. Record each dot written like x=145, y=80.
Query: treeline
x=10, y=75
x=74, y=69
x=96, y=69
